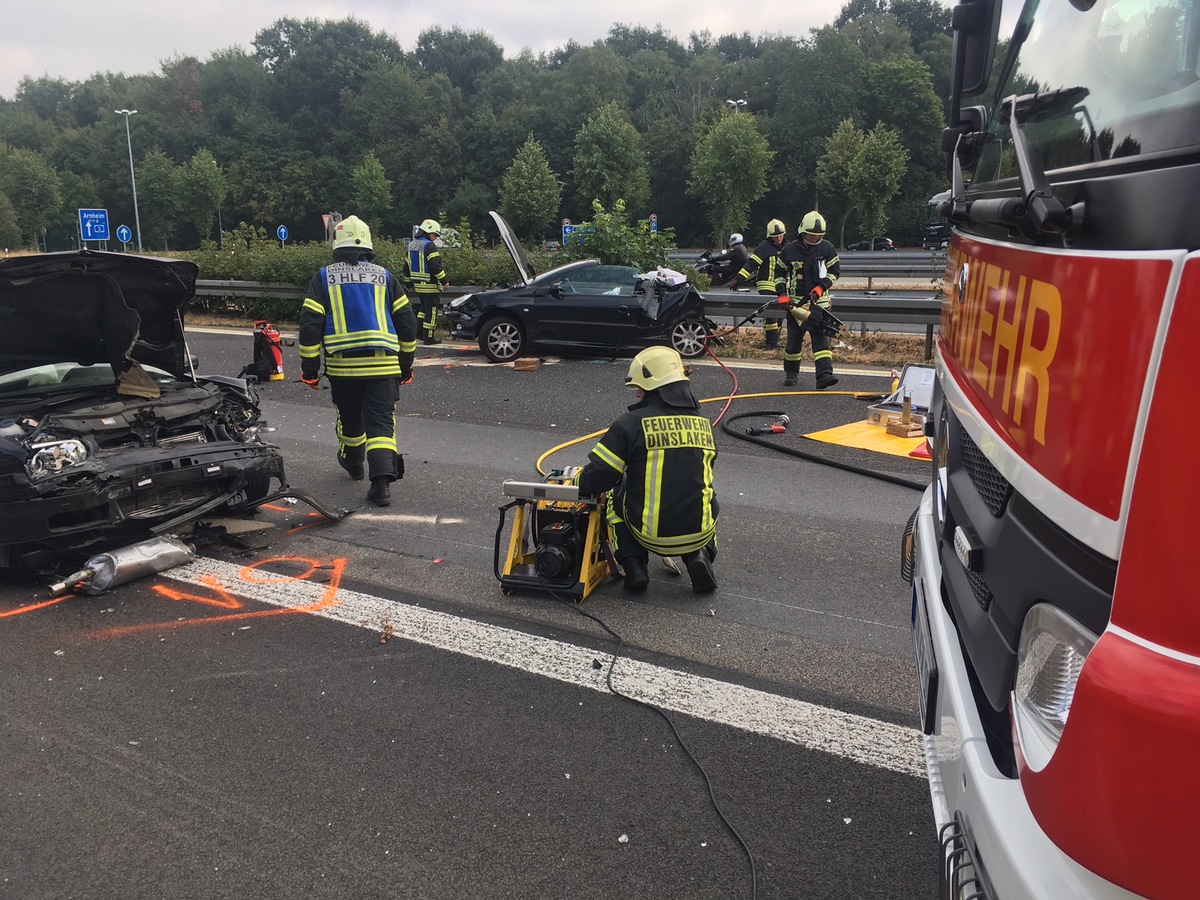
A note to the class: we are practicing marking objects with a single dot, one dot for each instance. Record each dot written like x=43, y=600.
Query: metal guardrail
x=894, y=307
x=899, y=306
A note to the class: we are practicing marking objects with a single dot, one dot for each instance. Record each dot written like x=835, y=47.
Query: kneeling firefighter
x=357, y=313
x=657, y=459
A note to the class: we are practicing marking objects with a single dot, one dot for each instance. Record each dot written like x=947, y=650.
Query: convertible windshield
x=1122, y=79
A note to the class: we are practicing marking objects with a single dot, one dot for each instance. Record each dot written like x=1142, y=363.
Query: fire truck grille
x=979, y=588
x=993, y=487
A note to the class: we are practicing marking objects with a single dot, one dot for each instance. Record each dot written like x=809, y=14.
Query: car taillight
x=1050, y=658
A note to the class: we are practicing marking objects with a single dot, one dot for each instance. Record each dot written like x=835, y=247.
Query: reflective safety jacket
x=665, y=455
x=424, y=266
x=809, y=266
x=358, y=313
x=764, y=267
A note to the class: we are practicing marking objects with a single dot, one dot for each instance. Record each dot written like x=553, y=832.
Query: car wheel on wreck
x=690, y=337
x=502, y=339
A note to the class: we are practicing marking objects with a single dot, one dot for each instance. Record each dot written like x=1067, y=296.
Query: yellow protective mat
x=864, y=436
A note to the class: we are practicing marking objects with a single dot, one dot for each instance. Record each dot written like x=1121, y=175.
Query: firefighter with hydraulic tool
x=423, y=270
x=765, y=268
x=812, y=266
x=358, y=315
x=657, y=461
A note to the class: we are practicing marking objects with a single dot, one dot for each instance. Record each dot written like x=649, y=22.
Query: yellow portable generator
x=559, y=540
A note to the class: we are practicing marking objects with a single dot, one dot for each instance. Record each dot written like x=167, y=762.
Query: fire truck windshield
x=1123, y=79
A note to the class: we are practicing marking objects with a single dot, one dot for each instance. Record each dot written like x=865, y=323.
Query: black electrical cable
x=675, y=731
x=620, y=643
x=811, y=457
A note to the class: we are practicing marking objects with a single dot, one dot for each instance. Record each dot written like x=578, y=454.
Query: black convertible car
x=581, y=307
x=107, y=434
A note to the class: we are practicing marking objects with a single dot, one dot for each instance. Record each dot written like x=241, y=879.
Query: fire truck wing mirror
x=975, y=23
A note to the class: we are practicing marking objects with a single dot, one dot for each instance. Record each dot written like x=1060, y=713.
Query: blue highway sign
x=124, y=235
x=93, y=224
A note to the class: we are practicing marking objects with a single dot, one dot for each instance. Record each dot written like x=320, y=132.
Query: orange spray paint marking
x=337, y=569
x=32, y=606
x=226, y=600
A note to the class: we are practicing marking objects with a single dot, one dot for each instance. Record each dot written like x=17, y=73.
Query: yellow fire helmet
x=775, y=228
x=431, y=226
x=655, y=367
x=813, y=224
x=352, y=232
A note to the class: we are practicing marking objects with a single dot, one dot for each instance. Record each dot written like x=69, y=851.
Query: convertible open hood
x=520, y=257
x=92, y=307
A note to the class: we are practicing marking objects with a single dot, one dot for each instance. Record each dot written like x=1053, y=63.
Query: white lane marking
x=858, y=738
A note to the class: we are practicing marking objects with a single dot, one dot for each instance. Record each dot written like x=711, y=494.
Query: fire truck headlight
x=1050, y=659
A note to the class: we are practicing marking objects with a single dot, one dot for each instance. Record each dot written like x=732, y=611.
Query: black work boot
x=354, y=467
x=700, y=570
x=380, y=492
x=636, y=576
x=772, y=341
x=789, y=379
x=826, y=379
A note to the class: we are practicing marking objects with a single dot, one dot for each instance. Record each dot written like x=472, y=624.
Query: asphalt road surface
x=355, y=709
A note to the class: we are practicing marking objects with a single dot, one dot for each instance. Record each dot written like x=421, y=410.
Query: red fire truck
x=1056, y=613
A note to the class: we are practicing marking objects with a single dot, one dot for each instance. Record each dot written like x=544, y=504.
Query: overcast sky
x=72, y=39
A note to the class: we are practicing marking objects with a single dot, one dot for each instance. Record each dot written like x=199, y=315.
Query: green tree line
x=712, y=134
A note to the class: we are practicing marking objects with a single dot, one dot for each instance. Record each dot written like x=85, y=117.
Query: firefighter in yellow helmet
x=423, y=270
x=358, y=317
x=768, y=274
x=657, y=460
x=813, y=268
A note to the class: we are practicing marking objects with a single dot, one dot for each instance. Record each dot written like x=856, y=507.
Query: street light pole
x=132, y=179
x=737, y=105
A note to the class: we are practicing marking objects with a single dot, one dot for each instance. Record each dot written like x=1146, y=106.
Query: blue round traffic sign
x=282, y=232
x=124, y=235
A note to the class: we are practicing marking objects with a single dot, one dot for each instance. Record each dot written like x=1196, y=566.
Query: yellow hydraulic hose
x=596, y=434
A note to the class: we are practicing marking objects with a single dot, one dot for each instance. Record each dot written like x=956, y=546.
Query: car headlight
x=1050, y=659
x=460, y=302
x=52, y=457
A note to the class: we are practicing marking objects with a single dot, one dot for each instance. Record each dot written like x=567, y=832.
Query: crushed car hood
x=92, y=307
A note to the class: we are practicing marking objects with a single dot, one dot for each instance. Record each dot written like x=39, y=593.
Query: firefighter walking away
x=357, y=315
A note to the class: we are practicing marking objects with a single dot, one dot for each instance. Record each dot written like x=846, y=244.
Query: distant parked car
x=580, y=307
x=551, y=245
x=879, y=243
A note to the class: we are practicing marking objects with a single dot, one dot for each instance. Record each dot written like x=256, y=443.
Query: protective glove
x=784, y=300
x=816, y=294
x=406, y=377
x=312, y=380
x=733, y=283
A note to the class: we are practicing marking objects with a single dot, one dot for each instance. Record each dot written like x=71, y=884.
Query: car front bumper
x=133, y=490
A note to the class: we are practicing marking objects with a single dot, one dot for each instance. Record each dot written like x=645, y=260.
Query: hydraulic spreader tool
x=559, y=540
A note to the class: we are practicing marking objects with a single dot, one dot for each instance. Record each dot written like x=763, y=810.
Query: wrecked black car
x=107, y=434
x=581, y=307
